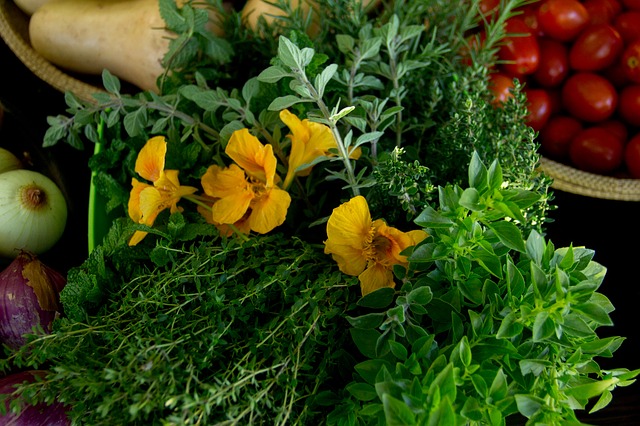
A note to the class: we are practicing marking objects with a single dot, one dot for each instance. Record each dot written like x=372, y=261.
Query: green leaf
x=372, y=320
x=603, y=347
x=370, y=369
x=430, y=218
x=445, y=382
x=477, y=173
x=528, y=405
x=110, y=82
x=134, y=122
x=273, y=74
x=324, y=77
x=362, y=391
x=285, y=102
x=472, y=409
x=589, y=390
x=594, y=312
x=499, y=386
x=398, y=350
x=378, y=299
x=509, y=327
x=464, y=350
x=289, y=53
x=396, y=412
x=250, y=89
x=534, y=366
x=445, y=414
x=509, y=234
x=489, y=261
x=543, y=327
x=470, y=199
x=495, y=178
x=365, y=340
x=420, y=295
x=605, y=398
x=345, y=43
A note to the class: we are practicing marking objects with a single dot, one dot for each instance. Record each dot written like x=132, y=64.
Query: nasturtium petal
x=151, y=158
x=250, y=154
x=269, y=211
x=133, y=206
x=137, y=237
x=375, y=277
x=219, y=183
x=350, y=260
x=350, y=223
x=151, y=204
x=231, y=208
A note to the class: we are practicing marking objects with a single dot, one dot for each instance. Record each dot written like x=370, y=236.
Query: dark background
x=611, y=228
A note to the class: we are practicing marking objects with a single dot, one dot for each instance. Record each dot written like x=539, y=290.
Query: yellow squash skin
x=29, y=6
x=127, y=37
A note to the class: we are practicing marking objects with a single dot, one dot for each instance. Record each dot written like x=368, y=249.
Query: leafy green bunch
x=196, y=330
x=353, y=78
x=190, y=327
x=487, y=325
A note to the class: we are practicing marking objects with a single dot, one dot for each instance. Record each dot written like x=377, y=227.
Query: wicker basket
x=568, y=179
x=14, y=29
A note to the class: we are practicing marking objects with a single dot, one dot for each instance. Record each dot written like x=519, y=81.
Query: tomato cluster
x=580, y=65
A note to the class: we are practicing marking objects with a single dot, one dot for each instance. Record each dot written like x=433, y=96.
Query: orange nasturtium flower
x=309, y=141
x=367, y=248
x=147, y=201
x=246, y=192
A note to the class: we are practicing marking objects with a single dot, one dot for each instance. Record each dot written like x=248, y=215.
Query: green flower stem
x=344, y=155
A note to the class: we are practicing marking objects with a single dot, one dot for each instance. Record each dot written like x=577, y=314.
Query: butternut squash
x=126, y=37
x=29, y=6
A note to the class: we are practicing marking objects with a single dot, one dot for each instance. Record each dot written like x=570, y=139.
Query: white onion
x=33, y=212
x=8, y=161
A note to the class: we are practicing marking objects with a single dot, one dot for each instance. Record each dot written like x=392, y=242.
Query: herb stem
x=342, y=149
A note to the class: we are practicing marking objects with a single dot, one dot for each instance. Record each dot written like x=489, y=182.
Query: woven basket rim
x=14, y=32
x=569, y=179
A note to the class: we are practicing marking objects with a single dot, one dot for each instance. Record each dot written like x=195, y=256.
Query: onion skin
x=33, y=415
x=33, y=212
x=8, y=161
x=29, y=297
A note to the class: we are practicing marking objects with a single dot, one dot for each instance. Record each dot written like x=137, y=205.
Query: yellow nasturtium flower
x=309, y=141
x=246, y=192
x=365, y=247
x=147, y=201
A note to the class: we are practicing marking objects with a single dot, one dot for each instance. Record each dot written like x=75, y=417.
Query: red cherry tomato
x=631, y=4
x=500, y=85
x=557, y=134
x=628, y=25
x=538, y=107
x=616, y=74
x=489, y=9
x=617, y=128
x=631, y=61
x=554, y=63
x=602, y=11
x=562, y=19
x=530, y=17
x=632, y=156
x=556, y=100
x=597, y=47
x=629, y=104
x=596, y=150
x=589, y=97
x=520, y=53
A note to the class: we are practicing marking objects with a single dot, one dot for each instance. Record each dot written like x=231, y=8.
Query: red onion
x=29, y=296
x=31, y=415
